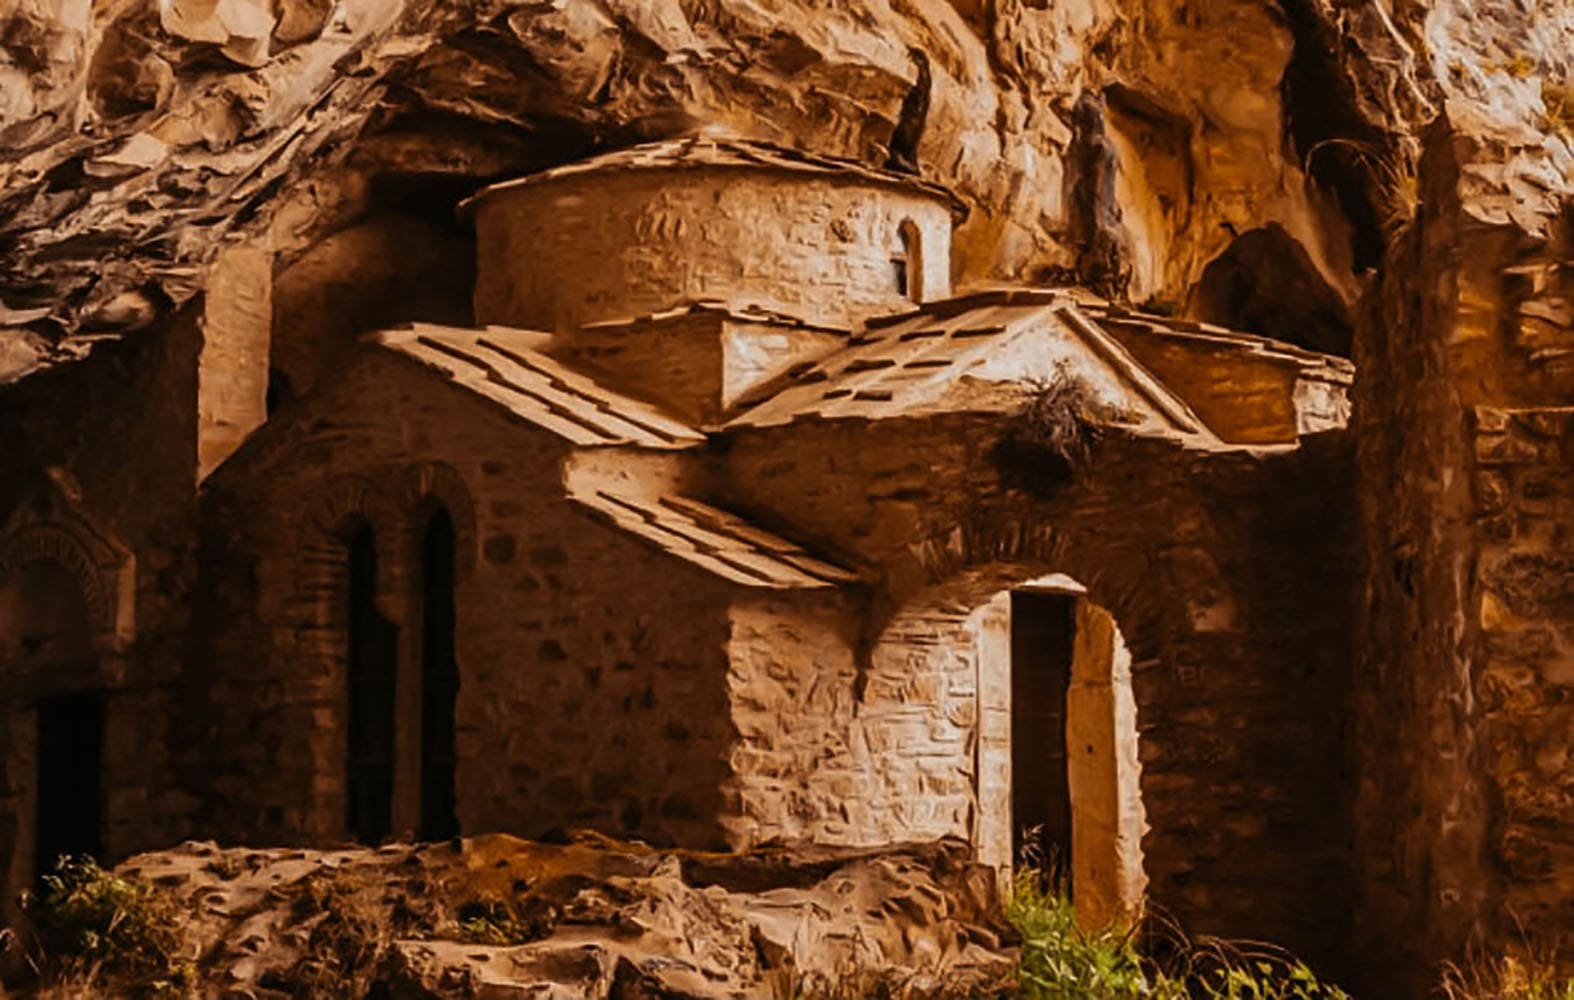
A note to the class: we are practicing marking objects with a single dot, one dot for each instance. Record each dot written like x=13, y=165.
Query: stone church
x=728, y=522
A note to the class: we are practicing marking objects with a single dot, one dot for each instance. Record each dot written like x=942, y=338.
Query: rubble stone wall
x=558, y=254
x=800, y=772
x=1464, y=475
x=1524, y=600
x=146, y=390
x=1237, y=624
x=592, y=668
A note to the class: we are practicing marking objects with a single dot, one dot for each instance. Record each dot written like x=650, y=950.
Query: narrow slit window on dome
x=907, y=262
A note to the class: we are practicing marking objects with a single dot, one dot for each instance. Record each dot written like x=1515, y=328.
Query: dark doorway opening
x=70, y=787
x=280, y=391
x=1043, y=626
x=439, y=680
x=373, y=659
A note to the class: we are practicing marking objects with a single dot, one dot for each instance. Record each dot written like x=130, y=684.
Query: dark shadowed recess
x=1338, y=148
x=1265, y=283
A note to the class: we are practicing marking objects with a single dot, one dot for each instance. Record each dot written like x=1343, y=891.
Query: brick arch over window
x=424, y=489
x=329, y=524
x=431, y=674
x=344, y=504
x=61, y=549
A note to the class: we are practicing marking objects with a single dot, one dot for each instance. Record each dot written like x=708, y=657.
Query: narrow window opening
x=907, y=262
x=70, y=787
x=280, y=391
x=1043, y=626
x=372, y=656
x=439, y=681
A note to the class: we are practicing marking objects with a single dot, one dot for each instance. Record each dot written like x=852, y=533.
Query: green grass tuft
x=1061, y=961
x=92, y=923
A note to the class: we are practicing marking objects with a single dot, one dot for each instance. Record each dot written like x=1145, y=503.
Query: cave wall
x=1462, y=827
x=139, y=135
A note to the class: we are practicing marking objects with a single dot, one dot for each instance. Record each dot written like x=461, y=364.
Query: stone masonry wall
x=1524, y=597
x=145, y=389
x=1461, y=353
x=559, y=254
x=593, y=670
x=800, y=771
x=1238, y=628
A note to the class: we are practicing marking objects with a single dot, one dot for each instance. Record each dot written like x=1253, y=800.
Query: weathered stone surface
x=188, y=121
x=593, y=918
x=138, y=140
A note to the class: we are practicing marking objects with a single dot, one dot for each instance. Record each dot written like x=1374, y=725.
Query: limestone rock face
x=135, y=136
x=495, y=916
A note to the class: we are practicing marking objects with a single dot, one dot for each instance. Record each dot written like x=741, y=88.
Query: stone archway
x=66, y=620
x=943, y=641
x=948, y=685
x=1087, y=733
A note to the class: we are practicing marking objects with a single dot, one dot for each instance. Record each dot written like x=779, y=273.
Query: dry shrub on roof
x=1052, y=435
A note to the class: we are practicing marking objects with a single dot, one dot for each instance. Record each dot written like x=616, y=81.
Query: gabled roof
x=709, y=150
x=714, y=540
x=1311, y=364
x=969, y=354
x=509, y=369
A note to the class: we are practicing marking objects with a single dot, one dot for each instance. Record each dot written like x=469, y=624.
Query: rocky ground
x=499, y=917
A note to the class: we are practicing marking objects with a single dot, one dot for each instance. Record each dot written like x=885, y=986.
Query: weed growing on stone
x=1393, y=174
x=1558, y=102
x=1530, y=974
x=495, y=922
x=1053, y=434
x=348, y=938
x=92, y=923
x=1061, y=961
x=225, y=866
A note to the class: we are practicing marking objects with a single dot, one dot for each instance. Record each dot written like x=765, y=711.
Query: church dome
x=704, y=219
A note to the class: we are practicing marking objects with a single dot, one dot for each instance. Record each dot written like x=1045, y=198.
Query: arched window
x=439, y=679
x=372, y=657
x=907, y=262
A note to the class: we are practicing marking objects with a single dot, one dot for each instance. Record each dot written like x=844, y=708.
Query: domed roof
x=708, y=149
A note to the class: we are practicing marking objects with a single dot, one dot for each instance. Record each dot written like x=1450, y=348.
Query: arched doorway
x=46, y=650
x=439, y=680
x=1056, y=773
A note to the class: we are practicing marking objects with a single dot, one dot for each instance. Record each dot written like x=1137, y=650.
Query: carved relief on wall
x=67, y=595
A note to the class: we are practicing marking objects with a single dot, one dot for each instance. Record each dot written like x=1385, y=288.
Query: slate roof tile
x=509, y=368
x=716, y=541
x=906, y=364
x=708, y=150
